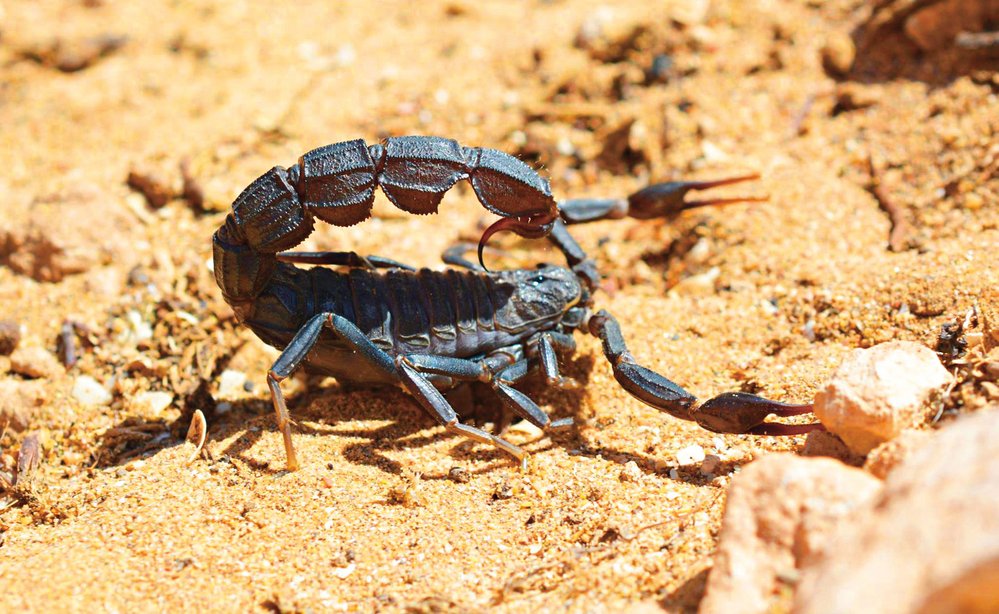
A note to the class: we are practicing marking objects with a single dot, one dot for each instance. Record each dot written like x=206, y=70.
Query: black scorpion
x=376, y=321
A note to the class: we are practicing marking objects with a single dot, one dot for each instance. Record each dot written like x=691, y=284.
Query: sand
x=764, y=297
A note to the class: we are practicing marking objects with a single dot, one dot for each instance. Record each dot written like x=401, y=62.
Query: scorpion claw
x=654, y=390
x=665, y=199
x=660, y=200
x=740, y=412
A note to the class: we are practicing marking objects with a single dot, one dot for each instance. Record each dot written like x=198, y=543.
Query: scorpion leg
x=350, y=259
x=528, y=410
x=549, y=358
x=418, y=364
x=731, y=412
x=298, y=349
x=413, y=369
x=655, y=201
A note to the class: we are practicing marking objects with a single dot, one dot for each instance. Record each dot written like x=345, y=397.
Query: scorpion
x=371, y=320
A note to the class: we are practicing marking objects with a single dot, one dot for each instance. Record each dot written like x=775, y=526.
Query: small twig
x=943, y=401
x=28, y=457
x=898, y=236
x=798, y=121
x=67, y=344
x=197, y=422
x=978, y=41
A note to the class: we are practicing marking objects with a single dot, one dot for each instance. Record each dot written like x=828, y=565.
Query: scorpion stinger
x=533, y=227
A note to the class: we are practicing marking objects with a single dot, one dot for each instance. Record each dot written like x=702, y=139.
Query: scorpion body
x=380, y=322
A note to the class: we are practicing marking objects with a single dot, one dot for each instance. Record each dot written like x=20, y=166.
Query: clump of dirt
x=130, y=128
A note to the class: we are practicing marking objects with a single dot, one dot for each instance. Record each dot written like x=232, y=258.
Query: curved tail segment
x=336, y=183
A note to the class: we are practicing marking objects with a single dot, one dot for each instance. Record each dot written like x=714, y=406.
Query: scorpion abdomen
x=405, y=312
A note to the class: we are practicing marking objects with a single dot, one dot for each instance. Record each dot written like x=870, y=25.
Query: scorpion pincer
x=372, y=320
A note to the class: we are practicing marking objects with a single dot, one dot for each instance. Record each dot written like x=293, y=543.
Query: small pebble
x=10, y=336
x=344, y=572
x=710, y=464
x=89, y=391
x=690, y=455
x=35, y=362
x=459, y=475
x=140, y=329
x=838, y=54
x=630, y=472
x=231, y=384
x=531, y=431
x=155, y=402
x=700, y=284
x=503, y=491
x=879, y=391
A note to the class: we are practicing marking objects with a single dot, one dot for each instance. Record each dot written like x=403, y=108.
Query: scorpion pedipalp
x=660, y=200
x=729, y=412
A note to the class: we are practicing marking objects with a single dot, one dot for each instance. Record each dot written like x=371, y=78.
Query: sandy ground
x=763, y=298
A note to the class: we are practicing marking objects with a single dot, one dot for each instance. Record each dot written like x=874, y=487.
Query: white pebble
x=631, y=472
x=713, y=153
x=343, y=572
x=153, y=401
x=231, y=384
x=531, y=431
x=690, y=455
x=141, y=330
x=89, y=391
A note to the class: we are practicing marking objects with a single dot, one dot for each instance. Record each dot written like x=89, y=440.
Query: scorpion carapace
x=372, y=320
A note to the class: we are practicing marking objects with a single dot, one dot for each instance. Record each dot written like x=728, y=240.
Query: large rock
x=781, y=510
x=877, y=392
x=929, y=542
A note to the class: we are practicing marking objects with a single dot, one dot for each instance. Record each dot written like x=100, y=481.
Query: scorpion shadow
x=331, y=409
x=326, y=408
